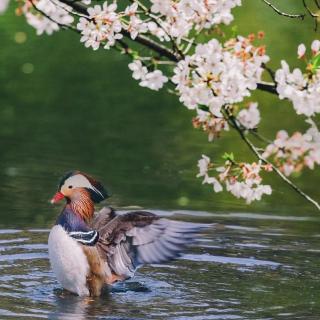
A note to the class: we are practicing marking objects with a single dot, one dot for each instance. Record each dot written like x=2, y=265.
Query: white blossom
x=292, y=153
x=153, y=80
x=135, y=24
x=57, y=11
x=315, y=46
x=303, y=92
x=215, y=75
x=249, y=117
x=180, y=17
x=203, y=165
x=103, y=26
x=139, y=71
x=217, y=186
x=4, y=5
x=301, y=50
x=241, y=180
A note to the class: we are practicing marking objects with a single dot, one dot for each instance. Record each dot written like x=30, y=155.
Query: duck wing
x=129, y=240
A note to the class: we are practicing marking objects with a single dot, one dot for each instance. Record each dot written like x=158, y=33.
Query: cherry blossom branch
x=204, y=79
x=281, y=13
x=143, y=40
x=255, y=150
x=163, y=50
x=61, y=25
x=268, y=87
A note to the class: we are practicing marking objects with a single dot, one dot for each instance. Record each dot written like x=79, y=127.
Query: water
x=246, y=266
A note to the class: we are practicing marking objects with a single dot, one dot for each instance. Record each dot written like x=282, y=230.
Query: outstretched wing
x=140, y=237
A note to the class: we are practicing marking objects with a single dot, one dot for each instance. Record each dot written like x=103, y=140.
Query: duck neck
x=82, y=205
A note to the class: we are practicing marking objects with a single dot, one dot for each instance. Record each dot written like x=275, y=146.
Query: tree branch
x=313, y=15
x=268, y=87
x=145, y=41
x=288, y=15
x=254, y=149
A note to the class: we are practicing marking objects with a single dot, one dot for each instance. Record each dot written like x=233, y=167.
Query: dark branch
x=254, y=149
x=313, y=15
x=143, y=40
x=288, y=15
x=268, y=87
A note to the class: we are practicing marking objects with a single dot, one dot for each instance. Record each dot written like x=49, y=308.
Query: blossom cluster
x=46, y=15
x=243, y=180
x=210, y=124
x=178, y=18
x=249, y=117
x=103, y=26
x=292, y=153
x=153, y=80
x=216, y=75
x=303, y=89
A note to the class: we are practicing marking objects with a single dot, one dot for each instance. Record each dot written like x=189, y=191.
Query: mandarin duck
x=89, y=250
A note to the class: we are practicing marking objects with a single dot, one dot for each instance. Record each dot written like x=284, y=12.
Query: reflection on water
x=239, y=269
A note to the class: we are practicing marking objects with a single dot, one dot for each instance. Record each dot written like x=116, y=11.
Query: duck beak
x=57, y=197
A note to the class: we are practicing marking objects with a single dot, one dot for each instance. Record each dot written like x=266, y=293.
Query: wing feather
x=136, y=238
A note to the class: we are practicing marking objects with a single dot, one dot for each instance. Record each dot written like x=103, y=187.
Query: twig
x=61, y=25
x=255, y=150
x=259, y=136
x=149, y=43
x=313, y=15
x=288, y=15
x=270, y=71
x=268, y=87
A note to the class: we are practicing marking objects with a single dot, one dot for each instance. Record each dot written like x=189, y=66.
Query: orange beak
x=57, y=197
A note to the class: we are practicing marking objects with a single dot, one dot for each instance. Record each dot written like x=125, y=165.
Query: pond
x=65, y=107
x=247, y=266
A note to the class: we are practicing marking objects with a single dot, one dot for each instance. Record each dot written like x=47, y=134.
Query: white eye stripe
x=79, y=181
x=97, y=191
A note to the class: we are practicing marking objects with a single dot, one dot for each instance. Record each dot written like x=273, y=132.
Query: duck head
x=81, y=192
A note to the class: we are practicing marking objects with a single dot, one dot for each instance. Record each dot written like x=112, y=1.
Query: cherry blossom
x=249, y=117
x=315, y=46
x=4, y=5
x=135, y=25
x=301, y=88
x=103, y=26
x=292, y=153
x=153, y=80
x=301, y=50
x=180, y=17
x=217, y=75
x=57, y=11
x=209, y=123
x=210, y=77
x=243, y=180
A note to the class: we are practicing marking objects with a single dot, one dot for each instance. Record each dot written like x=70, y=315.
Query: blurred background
x=65, y=107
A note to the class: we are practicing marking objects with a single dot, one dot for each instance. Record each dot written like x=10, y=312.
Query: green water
x=66, y=107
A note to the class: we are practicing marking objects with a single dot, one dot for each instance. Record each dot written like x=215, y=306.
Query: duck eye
x=70, y=187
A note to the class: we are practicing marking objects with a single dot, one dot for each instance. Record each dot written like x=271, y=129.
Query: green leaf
x=315, y=63
x=228, y=156
x=234, y=30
